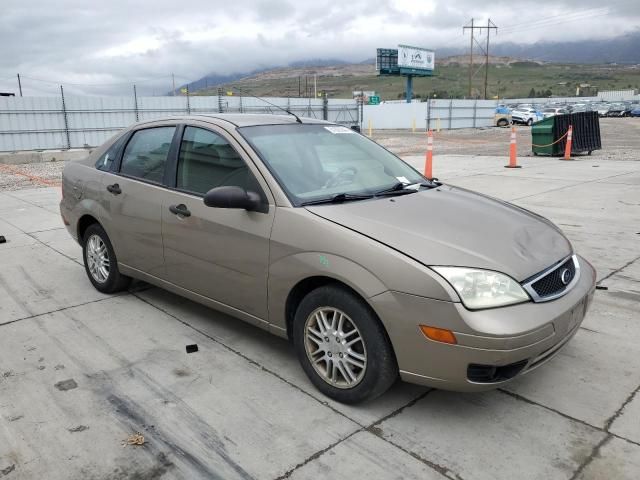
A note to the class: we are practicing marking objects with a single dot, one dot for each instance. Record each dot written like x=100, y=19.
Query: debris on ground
x=192, y=348
x=134, y=439
x=2, y=239
x=65, y=385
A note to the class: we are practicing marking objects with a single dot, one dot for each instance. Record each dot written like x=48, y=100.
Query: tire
x=96, y=246
x=530, y=122
x=372, y=376
x=503, y=122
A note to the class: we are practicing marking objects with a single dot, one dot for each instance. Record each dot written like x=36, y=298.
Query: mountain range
x=623, y=49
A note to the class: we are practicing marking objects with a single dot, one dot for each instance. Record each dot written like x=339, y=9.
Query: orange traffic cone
x=428, y=167
x=567, y=148
x=513, y=149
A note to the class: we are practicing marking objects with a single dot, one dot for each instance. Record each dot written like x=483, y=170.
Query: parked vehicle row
x=527, y=113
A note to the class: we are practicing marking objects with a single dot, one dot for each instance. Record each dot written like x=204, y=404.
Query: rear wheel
x=100, y=261
x=503, y=122
x=342, y=346
x=530, y=122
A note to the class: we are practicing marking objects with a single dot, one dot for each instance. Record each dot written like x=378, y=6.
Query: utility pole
x=470, y=58
x=173, y=82
x=472, y=27
x=19, y=85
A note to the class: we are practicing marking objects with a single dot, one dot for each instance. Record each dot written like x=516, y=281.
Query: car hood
x=454, y=226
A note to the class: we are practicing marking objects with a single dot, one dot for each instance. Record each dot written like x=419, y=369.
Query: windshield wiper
x=402, y=189
x=339, y=198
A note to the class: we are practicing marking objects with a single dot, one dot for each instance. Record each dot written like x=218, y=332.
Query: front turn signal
x=439, y=334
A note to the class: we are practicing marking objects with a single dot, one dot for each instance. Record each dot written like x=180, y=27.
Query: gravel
x=30, y=175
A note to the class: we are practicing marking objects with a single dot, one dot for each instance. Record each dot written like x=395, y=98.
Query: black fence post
x=188, y=103
x=135, y=103
x=219, y=100
x=428, y=114
x=66, y=120
x=325, y=106
x=450, y=113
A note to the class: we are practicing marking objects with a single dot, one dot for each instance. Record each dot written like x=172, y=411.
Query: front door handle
x=115, y=189
x=181, y=210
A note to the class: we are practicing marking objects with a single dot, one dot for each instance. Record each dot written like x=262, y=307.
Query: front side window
x=207, y=160
x=146, y=154
x=313, y=162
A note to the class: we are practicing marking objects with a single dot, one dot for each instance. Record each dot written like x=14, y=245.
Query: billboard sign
x=415, y=58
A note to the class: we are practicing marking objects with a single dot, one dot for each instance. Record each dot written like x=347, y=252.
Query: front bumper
x=494, y=346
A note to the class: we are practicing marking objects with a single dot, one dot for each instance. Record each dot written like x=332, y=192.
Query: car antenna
x=269, y=103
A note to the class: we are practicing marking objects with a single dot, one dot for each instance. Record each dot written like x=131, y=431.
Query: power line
x=60, y=82
x=561, y=15
x=548, y=23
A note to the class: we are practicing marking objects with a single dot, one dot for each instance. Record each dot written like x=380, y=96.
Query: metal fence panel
x=29, y=123
x=34, y=123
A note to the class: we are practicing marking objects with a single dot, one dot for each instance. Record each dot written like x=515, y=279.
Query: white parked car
x=526, y=115
x=552, y=111
x=602, y=109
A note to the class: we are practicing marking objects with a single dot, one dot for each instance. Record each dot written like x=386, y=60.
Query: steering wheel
x=340, y=177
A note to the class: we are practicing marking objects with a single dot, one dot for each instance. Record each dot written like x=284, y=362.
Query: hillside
x=508, y=77
x=588, y=61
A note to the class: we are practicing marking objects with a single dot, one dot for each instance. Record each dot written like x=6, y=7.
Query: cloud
x=104, y=47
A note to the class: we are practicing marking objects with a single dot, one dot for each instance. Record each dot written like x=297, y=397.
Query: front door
x=222, y=254
x=133, y=200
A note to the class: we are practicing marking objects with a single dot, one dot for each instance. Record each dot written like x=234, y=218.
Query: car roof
x=240, y=119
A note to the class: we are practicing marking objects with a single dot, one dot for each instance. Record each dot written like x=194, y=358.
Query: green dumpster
x=542, y=138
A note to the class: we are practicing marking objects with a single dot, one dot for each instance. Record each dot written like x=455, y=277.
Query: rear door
x=133, y=199
x=222, y=254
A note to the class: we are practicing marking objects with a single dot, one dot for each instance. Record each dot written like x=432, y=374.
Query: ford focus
x=317, y=234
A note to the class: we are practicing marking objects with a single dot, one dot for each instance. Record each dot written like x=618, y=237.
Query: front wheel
x=342, y=347
x=530, y=122
x=100, y=261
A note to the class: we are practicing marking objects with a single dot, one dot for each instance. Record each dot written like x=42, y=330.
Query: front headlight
x=483, y=288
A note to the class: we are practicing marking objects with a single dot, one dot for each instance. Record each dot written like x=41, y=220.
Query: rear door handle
x=181, y=210
x=115, y=189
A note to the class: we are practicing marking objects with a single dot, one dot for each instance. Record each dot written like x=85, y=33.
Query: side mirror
x=232, y=197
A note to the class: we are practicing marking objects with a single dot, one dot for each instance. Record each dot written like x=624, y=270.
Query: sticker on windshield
x=340, y=130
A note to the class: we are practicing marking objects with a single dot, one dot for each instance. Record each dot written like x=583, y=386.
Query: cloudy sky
x=104, y=47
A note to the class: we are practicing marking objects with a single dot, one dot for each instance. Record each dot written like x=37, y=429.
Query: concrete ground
x=80, y=371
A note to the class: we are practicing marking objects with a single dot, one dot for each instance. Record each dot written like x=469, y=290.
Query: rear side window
x=207, y=160
x=146, y=154
x=107, y=159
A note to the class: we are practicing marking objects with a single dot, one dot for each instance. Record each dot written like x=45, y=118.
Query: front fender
x=287, y=272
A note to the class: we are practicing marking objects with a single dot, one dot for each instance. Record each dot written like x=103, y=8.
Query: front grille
x=553, y=283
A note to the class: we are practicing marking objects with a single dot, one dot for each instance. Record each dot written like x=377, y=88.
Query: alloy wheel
x=98, y=259
x=335, y=347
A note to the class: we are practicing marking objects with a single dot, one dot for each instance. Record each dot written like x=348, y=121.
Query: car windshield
x=318, y=161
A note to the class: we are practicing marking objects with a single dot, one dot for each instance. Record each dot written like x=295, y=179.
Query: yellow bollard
x=438, y=124
x=369, y=127
x=413, y=126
